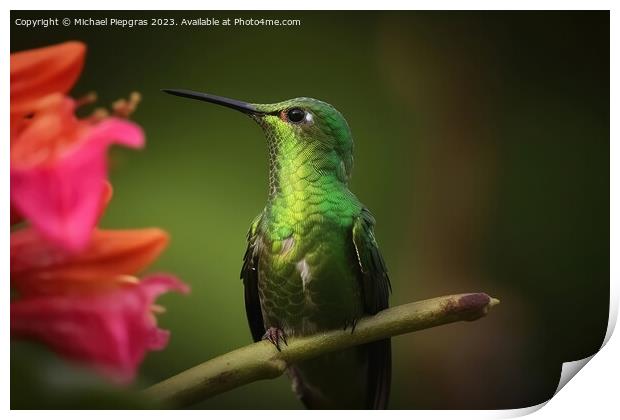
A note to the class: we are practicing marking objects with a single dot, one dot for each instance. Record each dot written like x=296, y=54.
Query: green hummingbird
x=312, y=263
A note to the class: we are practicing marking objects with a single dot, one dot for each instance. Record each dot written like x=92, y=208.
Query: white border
x=593, y=393
x=316, y=5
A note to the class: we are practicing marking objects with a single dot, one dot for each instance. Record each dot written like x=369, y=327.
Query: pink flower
x=74, y=285
x=89, y=306
x=58, y=162
x=111, y=331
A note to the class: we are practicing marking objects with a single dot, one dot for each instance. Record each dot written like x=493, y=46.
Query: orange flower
x=111, y=259
x=40, y=72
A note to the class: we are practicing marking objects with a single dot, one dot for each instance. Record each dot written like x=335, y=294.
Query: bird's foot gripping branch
x=263, y=361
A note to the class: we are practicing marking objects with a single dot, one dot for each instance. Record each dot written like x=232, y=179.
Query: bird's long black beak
x=214, y=99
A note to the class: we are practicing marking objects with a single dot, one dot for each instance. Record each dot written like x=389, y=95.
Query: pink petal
x=63, y=199
x=156, y=284
x=112, y=332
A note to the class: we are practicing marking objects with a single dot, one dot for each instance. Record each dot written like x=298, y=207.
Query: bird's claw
x=274, y=335
x=350, y=323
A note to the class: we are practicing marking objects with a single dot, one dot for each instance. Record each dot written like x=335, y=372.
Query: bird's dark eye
x=295, y=115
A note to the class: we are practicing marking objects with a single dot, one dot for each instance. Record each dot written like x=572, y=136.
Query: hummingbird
x=312, y=263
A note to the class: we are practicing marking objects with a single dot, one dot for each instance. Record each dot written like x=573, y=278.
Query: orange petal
x=50, y=131
x=42, y=71
x=38, y=267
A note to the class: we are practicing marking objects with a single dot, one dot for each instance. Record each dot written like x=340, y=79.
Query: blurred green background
x=482, y=148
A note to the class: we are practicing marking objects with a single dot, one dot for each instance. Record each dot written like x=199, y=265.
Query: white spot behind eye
x=309, y=118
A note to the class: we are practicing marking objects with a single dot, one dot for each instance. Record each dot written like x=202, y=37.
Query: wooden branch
x=262, y=361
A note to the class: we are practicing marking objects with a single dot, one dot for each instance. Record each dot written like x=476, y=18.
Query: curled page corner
x=613, y=316
x=570, y=369
x=521, y=412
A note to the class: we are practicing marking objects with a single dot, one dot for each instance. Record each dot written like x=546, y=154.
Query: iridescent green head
x=311, y=126
x=301, y=132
